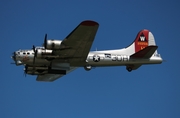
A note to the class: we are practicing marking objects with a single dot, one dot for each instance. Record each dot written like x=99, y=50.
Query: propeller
x=45, y=41
x=13, y=56
x=25, y=71
x=35, y=53
x=24, y=74
x=34, y=48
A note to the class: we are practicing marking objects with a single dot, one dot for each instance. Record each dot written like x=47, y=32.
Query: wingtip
x=89, y=23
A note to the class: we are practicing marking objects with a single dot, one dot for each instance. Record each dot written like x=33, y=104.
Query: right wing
x=76, y=46
x=73, y=50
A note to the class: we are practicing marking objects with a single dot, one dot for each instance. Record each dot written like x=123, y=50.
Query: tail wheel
x=129, y=69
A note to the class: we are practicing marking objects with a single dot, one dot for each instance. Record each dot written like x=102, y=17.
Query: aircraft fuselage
x=94, y=58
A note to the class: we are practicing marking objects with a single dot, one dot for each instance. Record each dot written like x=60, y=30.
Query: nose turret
x=14, y=57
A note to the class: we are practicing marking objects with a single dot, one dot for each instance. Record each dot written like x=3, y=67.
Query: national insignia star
x=96, y=58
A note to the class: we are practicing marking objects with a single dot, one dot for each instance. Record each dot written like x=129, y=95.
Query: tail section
x=143, y=39
x=143, y=47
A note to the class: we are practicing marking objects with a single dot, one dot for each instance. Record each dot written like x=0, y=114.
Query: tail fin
x=143, y=39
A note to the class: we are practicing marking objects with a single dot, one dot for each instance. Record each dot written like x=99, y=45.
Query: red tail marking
x=141, y=40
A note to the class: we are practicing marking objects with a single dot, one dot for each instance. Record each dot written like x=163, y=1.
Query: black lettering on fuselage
x=120, y=58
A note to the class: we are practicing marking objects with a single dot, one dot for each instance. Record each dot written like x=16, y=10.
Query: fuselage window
x=28, y=53
x=24, y=53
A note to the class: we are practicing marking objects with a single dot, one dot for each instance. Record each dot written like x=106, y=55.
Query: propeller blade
x=34, y=48
x=45, y=37
x=45, y=41
x=35, y=54
x=25, y=71
x=24, y=74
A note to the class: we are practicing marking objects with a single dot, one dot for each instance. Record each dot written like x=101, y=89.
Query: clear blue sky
x=150, y=92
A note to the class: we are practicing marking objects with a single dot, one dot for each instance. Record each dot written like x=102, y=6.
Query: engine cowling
x=40, y=70
x=52, y=44
x=42, y=53
x=35, y=70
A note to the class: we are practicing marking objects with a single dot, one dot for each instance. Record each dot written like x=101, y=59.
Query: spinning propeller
x=45, y=41
x=35, y=53
x=35, y=50
x=25, y=71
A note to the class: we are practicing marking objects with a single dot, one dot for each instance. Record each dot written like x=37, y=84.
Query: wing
x=76, y=46
x=52, y=77
x=48, y=77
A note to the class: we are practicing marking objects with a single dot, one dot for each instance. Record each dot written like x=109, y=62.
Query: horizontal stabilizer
x=147, y=52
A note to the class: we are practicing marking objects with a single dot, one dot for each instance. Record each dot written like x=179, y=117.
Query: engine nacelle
x=40, y=70
x=88, y=67
x=35, y=70
x=42, y=53
x=52, y=44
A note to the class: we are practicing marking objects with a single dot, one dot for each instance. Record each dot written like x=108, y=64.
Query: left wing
x=76, y=46
x=52, y=77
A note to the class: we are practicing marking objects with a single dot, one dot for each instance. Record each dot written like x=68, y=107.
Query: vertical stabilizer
x=143, y=39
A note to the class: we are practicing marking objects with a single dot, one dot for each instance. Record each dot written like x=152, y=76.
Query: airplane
x=57, y=58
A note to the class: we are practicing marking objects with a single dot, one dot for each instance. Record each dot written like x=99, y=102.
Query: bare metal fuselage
x=94, y=58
